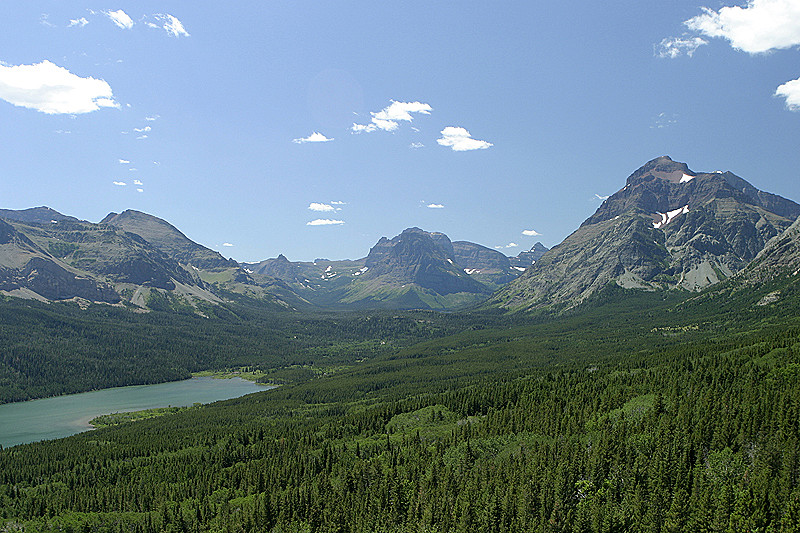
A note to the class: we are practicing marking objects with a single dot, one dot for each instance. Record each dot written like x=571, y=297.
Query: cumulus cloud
x=140, y=130
x=141, y=137
x=388, y=118
x=338, y=203
x=531, y=232
x=80, y=23
x=791, y=91
x=170, y=24
x=119, y=183
x=227, y=244
x=416, y=145
x=460, y=140
x=435, y=206
x=315, y=137
x=760, y=26
x=511, y=245
x=324, y=222
x=124, y=162
x=673, y=47
x=152, y=118
x=51, y=89
x=314, y=206
x=120, y=18
x=137, y=182
x=139, y=190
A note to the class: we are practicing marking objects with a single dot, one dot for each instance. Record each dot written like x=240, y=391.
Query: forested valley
x=684, y=417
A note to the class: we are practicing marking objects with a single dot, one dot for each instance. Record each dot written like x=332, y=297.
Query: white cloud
x=171, y=25
x=152, y=118
x=362, y=128
x=227, y=244
x=51, y=89
x=387, y=119
x=44, y=20
x=531, y=232
x=338, y=203
x=324, y=222
x=416, y=145
x=137, y=182
x=315, y=137
x=140, y=130
x=435, y=206
x=139, y=190
x=119, y=183
x=141, y=137
x=601, y=197
x=80, y=23
x=673, y=47
x=663, y=120
x=761, y=26
x=460, y=140
x=511, y=245
x=314, y=206
x=124, y=162
x=120, y=18
x=791, y=91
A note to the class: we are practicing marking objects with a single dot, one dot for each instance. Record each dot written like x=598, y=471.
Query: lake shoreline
x=65, y=415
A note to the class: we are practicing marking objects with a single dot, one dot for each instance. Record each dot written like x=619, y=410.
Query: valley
x=640, y=376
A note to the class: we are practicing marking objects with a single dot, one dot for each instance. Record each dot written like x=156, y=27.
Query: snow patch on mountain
x=669, y=216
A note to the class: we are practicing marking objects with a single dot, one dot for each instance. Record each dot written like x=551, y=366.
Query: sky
x=312, y=129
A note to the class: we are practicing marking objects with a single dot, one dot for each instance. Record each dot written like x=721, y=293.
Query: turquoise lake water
x=62, y=416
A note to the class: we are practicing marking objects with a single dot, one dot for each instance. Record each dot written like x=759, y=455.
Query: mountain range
x=668, y=228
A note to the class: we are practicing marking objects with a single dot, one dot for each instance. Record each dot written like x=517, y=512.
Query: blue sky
x=314, y=128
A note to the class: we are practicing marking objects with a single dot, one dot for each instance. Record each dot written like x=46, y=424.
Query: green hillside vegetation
x=54, y=349
x=637, y=412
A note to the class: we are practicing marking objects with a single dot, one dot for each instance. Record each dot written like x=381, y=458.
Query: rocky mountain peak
x=668, y=227
x=662, y=168
x=168, y=239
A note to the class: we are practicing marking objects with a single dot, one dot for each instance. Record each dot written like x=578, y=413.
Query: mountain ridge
x=668, y=228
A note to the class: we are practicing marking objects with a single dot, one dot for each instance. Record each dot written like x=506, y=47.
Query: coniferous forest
x=685, y=417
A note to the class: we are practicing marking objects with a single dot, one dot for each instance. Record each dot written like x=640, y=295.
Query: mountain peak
x=669, y=227
x=663, y=168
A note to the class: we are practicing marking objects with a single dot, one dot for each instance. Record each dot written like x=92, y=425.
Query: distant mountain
x=526, y=259
x=279, y=268
x=668, y=228
x=168, y=239
x=95, y=262
x=36, y=215
x=414, y=270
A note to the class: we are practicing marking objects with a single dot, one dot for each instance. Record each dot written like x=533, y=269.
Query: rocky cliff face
x=473, y=256
x=29, y=271
x=667, y=228
x=779, y=258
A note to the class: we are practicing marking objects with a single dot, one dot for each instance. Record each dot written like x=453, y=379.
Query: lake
x=62, y=416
